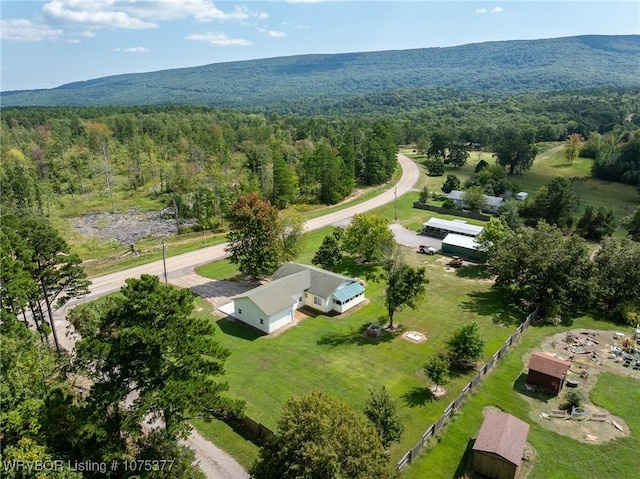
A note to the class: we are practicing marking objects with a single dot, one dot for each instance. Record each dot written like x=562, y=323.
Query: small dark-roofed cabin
x=498, y=449
x=547, y=372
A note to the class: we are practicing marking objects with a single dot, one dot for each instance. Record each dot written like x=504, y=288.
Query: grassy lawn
x=622, y=199
x=557, y=456
x=331, y=354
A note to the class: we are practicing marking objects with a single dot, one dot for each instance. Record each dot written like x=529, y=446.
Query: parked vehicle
x=426, y=249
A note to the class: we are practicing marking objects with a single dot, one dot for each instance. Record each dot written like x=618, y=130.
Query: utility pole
x=164, y=261
x=395, y=203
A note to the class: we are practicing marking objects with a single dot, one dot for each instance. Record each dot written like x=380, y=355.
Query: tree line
x=198, y=161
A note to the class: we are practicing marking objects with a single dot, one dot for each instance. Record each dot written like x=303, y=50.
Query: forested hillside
x=316, y=83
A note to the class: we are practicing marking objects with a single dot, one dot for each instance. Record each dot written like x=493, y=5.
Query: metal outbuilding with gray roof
x=459, y=245
x=440, y=228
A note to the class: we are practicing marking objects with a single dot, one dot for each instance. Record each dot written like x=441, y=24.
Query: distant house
x=498, y=449
x=271, y=306
x=460, y=245
x=522, y=195
x=441, y=228
x=492, y=202
x=547, y=372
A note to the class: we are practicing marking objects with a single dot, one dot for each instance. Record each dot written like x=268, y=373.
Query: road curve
x=109, y=283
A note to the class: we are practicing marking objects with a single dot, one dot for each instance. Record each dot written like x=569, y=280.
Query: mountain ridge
x=510, y=66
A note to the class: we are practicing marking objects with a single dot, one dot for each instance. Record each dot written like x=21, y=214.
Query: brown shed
x=547, y=372
x=497, y=451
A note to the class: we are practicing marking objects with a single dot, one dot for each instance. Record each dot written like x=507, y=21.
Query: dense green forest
x=313, y=84
x=201, y=159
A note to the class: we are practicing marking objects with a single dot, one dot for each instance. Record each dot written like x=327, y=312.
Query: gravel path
x=214, y=462
x=412, y=238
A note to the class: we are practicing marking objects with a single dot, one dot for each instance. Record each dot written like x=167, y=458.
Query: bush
x=573, y=398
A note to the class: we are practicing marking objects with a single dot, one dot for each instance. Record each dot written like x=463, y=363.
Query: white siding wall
x=341, y=308
x=280, y=319
x=247, y=312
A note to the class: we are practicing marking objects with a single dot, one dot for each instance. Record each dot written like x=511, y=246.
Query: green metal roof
x=348, y=291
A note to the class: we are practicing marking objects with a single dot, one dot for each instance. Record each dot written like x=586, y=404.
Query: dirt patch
x=437, y=391
x=589, y=352
x=127, y=228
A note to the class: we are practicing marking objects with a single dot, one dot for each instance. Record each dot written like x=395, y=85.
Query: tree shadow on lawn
x=418, y=396
x=475, y=271
x=492, y=303
x=234, y=328
x=519, y=386
x=356, y=336
x=350, y=267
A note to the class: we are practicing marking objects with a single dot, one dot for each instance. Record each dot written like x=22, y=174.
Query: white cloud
x=94, y=13
x=218, y=39
x=136, y=50
x=482, y=11
x=20, y=30
x=88, y=34
x=201, y=10
x=74, y=41
x=272, y=33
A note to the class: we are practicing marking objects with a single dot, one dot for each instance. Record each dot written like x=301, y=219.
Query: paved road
x=182, y=264
x=214, y=462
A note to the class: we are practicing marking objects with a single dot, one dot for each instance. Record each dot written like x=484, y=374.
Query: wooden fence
x=455, y=405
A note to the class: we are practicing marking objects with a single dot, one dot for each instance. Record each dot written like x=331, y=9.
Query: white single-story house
x=271, y=306
x=440, y=228
x=492, y=202
x=522, y=195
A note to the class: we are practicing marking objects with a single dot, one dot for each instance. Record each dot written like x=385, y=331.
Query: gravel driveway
x=412, y=238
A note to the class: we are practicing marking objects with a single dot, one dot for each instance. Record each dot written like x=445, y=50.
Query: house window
x=337, y=301
x=261, y=321
x=317, y=301
x=239, y=311
x=300, y=298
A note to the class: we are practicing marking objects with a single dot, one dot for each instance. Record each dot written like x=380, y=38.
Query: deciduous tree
x=515, y=148
x=437, y=369
x=617, y=279
x=554, y=203
x=474, y=199
x=253, y=236
x=290, y=234
x=368, y=237
x=572, y=147
x=466, y=345
x=405, y=285
x=384, y=412
x=632, y=224
x=321, y=438
x=540, y=267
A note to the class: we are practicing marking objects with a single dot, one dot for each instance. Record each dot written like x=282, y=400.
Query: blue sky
x=50, y=43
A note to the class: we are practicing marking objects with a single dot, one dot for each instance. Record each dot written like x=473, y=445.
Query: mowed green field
x=331, y=354
x=556, y=456
x=622, y=199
